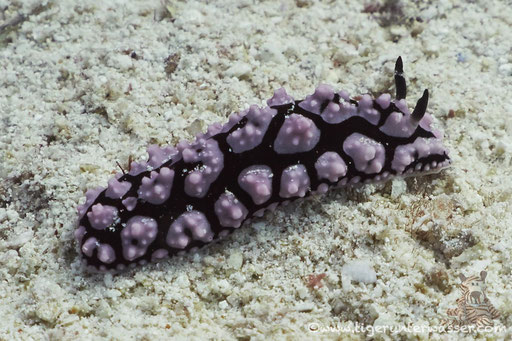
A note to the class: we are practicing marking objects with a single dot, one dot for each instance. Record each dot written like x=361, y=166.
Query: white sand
x=73, y=102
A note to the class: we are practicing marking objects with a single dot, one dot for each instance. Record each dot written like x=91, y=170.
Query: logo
x=473, y=306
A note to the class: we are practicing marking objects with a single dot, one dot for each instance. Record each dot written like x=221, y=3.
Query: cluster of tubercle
x=186, y=196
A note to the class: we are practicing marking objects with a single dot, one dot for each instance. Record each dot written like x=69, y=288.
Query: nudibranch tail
x=185, y=197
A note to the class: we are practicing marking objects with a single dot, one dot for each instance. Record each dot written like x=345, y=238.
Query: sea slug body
x=185, y=197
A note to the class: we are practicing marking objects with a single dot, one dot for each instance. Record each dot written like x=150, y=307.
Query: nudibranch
x=187, y=196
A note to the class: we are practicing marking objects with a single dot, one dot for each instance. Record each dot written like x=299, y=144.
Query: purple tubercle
x=257, y=182
x=159, y=255
x=130, y=203
x=294, y=182
x=366, y=110
x=138, y=167
x=313, y=103
x=116, y=189
x=156, y=189
x=188, y=227
x=335, y=112
x=106, y=253
x=89, y=246
x=384, y=101
x=421, y=148
x=102, y=216
x=330, y=166
x=136, y=236
x=399, y=125
x=207, y=153
x=230, y=211
x=368, y=155
x=90, y=196
x=79, y=234
x=184, y=197
x=251, y=134
x=159, y=155
x=298, y=134
x=280, y=98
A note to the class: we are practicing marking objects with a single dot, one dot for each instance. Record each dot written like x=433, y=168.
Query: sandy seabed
x=85, y=84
